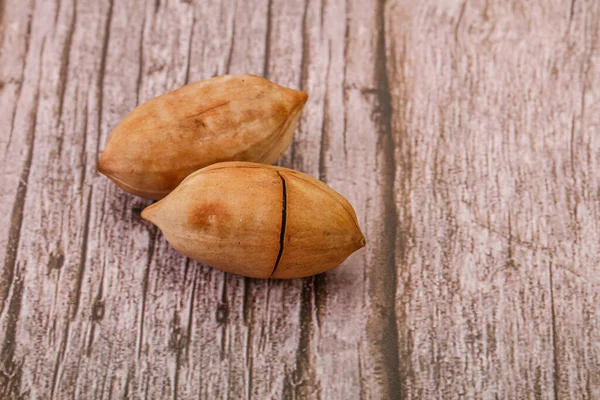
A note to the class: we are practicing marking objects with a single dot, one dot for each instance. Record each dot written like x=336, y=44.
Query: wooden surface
x=465, y=133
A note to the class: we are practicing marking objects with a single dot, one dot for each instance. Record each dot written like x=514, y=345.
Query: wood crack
x=344, y=84
x=304, y=69
x=11, y=372
x=267, y=40
x=140, y=331
x=189, y=52
x=459, y=20
x=141, y=62
x=82, y=259
x=64, y=71
x=325, y=140
x=283, y=223
x=571, y=12
x=303, y=382
x=96, y=315
x=249, y=363
x=555, y=355
x=22, y=78
x=60, y=356
x=395, y=379
x=190, y=320
x=230, y=55
x=83, y=154
x=222, y=317
x=2, y=23
x=101, y=73
x=16, y=219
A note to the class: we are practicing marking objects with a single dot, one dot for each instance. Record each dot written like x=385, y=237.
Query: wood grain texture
x=463, y=132
x=497, y=196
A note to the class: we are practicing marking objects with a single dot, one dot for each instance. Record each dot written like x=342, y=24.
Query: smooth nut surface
x=227, y=118
x=258, y=221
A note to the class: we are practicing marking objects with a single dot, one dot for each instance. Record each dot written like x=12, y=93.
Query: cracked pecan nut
x=258, y=221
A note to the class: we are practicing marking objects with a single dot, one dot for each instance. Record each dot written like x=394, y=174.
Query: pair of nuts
x=205, y=147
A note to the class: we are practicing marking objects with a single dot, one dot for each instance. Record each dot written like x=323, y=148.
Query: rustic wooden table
x=465, y=133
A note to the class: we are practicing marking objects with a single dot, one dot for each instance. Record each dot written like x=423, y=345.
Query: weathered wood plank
x=369, y=129
x=251, y=340
x=18, y=93
x=348, y=351
x=175, y=328
x=463, y=133
x=54, y=236
x=17, y=149
x=494, y=188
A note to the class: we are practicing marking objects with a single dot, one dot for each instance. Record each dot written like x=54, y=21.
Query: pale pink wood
x=464, y=133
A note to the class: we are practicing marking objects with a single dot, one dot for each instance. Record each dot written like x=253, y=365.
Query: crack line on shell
x=283, y=222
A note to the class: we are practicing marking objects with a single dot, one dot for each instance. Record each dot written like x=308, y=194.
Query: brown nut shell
x=227, y=118
x=258, y=221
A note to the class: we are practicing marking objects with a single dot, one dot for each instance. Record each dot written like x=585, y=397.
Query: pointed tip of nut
x=149, y=212
x=302, y=97
x=360, y=241
x=103, y=165
x=299, y=99
x=109, y=163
